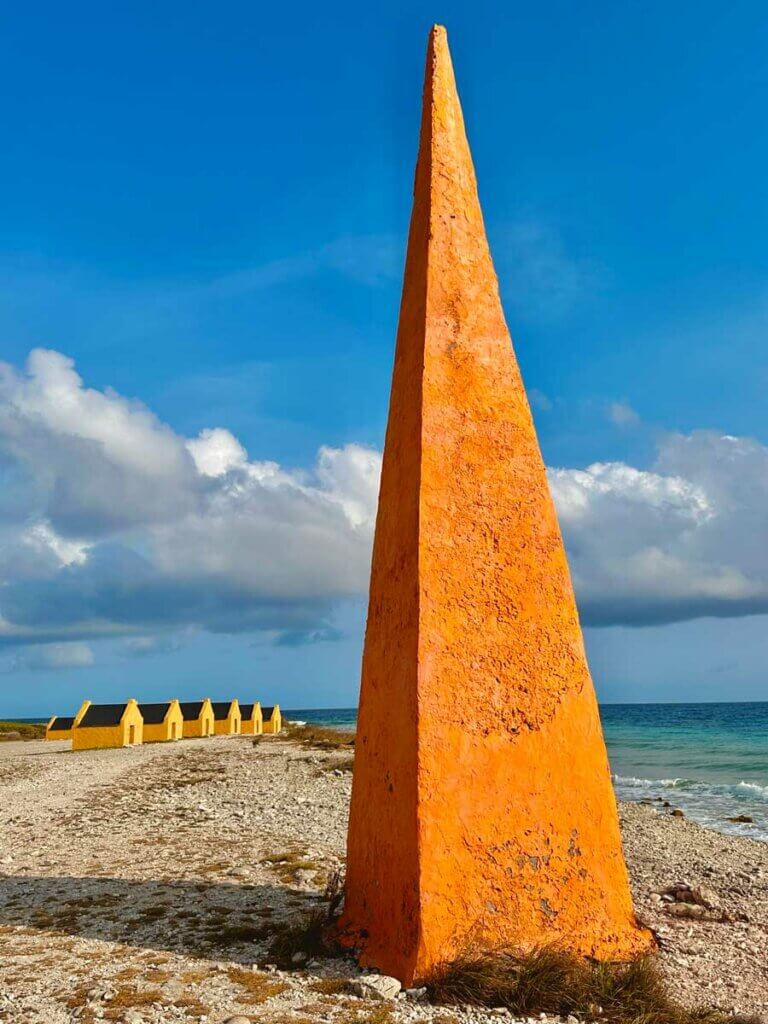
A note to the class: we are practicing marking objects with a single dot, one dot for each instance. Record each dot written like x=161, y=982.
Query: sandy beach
x=142, y=885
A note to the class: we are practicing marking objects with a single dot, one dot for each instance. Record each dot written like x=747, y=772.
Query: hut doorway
x=131, y=735
x=173, y=730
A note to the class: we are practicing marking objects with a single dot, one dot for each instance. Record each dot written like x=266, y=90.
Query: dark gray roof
x=103, y=714
x=154, y=714
x=246, y=711
x=221, y=709
x=266, y=713
x=59, y=724
x=190, y=710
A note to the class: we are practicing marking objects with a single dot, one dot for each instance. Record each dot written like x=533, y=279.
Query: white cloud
x=216, y=452
x=685, y=539
x=112, y=524
x=50, y=657
x=621, y=414
x=148, y=646
x=118, y=525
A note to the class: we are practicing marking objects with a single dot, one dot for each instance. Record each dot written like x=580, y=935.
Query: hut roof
x=266, y=713
x=246, y=711
x=190, y=709
x=221, y=709
x=103, y=714
x=59, y=724
x=154, y=714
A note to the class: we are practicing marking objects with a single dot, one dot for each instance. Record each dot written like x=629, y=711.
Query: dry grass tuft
x=123, y=998
x=330, y=986
x=286, y=863
x=381, y=1014
x=554, y=981
x=310, y=934
x=260, y=987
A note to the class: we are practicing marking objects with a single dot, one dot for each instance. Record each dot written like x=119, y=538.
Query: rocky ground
x=143, y=885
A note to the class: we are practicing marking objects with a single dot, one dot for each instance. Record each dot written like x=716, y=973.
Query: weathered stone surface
x=481, y=799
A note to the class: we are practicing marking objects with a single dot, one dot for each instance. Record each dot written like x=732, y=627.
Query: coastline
x=708, y=760
x=161, y=869
x=718, y=779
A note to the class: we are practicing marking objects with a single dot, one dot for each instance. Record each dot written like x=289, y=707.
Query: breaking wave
x=744, y=790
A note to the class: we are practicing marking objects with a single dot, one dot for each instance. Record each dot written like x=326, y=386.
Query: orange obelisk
x=481, y=803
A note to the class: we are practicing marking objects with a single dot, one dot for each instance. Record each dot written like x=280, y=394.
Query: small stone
x=376, y=986
x=744, y=819
x=677, y=813
x=689, y=910
x=706, y=897
x=299, y=958
x=416, y=994
x=173, y=989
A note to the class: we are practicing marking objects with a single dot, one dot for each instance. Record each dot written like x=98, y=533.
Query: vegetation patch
x=239, y=933
x=122, y=999
x=287, y=863
x=21, y=731
x=260, y=987
x=310, y=934
x=554, y=981
x=330, y=986
x=369, y=1015
x=319, y=736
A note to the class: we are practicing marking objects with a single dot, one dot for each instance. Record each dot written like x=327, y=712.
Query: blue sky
x=205, y=210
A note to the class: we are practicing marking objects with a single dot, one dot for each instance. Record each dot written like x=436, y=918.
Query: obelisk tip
x=438, y=39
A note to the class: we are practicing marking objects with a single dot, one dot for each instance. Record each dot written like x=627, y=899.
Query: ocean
x=710, y=760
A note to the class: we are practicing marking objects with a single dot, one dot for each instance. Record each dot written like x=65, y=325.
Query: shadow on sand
x=208, y=920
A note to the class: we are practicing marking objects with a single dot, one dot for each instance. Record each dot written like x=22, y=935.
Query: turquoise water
x=710, y=760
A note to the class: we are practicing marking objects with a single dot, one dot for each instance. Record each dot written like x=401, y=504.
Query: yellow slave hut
x=108, y=725
x=226, y=716
x=250, y=719
x=60, y=727
x=162, y=722
x=197, y=716
x=272, y=719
